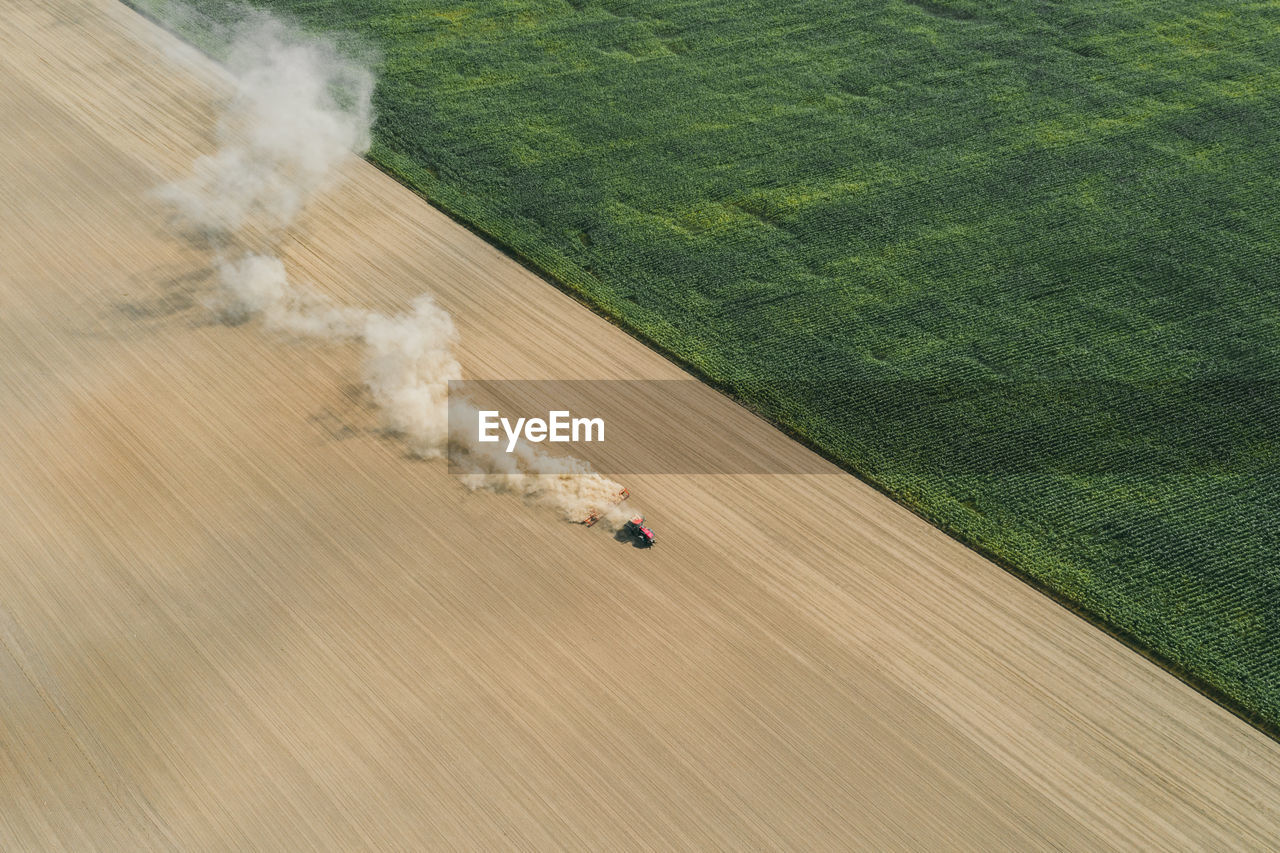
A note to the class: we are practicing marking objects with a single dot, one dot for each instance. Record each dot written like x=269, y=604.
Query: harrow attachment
x=594, y=515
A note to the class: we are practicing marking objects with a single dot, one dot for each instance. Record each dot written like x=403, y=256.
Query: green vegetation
x=1015, y=263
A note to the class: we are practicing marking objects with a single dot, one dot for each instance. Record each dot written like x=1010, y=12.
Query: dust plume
x=298, y=108
x=564, y=483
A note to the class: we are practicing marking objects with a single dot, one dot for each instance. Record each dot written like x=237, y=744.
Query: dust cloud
x=298, y=108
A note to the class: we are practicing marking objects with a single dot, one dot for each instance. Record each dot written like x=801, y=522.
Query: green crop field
x=1015, y=263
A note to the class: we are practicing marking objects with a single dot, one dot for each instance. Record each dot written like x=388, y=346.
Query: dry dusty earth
x=232, y=615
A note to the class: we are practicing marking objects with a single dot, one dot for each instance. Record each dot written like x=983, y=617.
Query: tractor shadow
x=628, y=539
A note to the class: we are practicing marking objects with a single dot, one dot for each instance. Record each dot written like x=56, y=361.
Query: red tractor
x=641, y=535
